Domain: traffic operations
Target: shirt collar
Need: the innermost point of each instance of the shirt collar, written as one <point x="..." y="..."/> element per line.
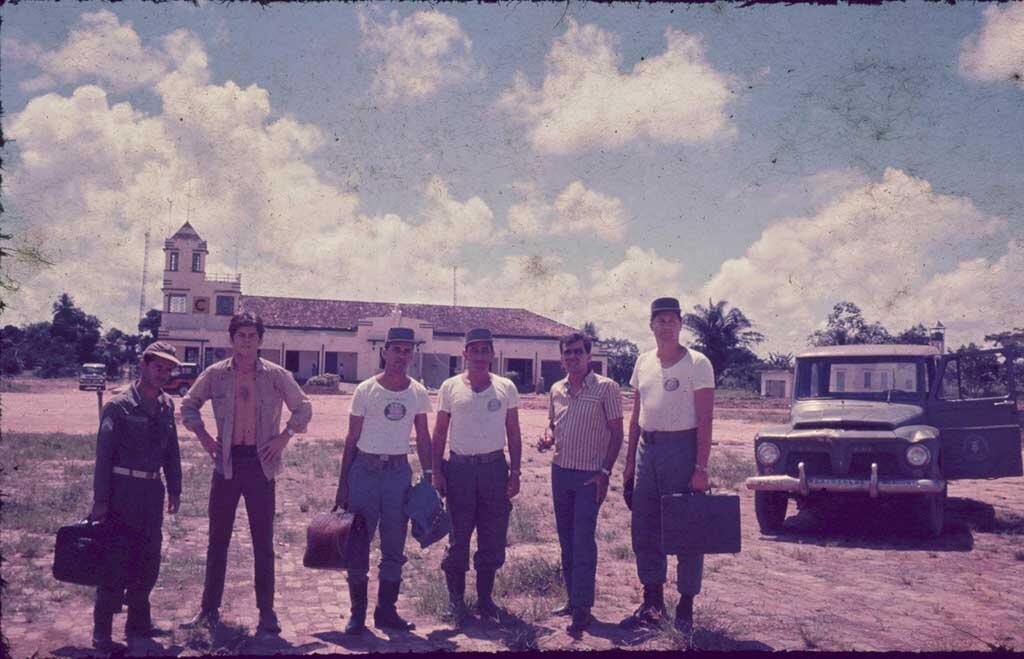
<point x="259" y="364"/>
<point x="137" y="396"/>
<point x="588" y="381"/>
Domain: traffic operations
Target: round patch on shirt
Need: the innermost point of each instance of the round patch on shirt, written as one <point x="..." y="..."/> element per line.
<point x="493" y="405"/>
<point x="671" y="384"/>
<point x="394" y="411"/>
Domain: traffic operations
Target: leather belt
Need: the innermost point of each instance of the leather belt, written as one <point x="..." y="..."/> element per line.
<point x="137" y="473"/>
<point x="479" y="458"/>
<point x="655" y="436"/>
<point x="385" y="461"/>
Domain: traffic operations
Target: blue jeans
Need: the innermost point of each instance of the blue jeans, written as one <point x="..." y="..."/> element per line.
<point x="378" y="495"/>
<point x="576" y="519"/>
<point x="662" y="467"/>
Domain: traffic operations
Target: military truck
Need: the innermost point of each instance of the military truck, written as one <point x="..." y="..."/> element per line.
<point x="890" y="421"/>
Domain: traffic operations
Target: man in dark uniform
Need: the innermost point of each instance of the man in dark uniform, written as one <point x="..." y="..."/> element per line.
<point x="137" y="438"/>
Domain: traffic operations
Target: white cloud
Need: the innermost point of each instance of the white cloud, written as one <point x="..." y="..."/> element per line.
<point x="585" y="102"/>
<point x="101" y="49"/>
<point x="419" y="55"/>
<point x="576" y="210"/>
<point x="616" y="298"/>
<point x="92" y="174"/>
<point x="891" y="247"/>
<point x="997" y="51"/>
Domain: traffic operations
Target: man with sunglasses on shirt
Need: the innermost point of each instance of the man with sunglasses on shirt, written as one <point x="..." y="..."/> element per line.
<point x="585" y="429"/>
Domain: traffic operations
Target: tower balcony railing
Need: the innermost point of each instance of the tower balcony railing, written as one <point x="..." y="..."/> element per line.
<point x="233" y="280"/>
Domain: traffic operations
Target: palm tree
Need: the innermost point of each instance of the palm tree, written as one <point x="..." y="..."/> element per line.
<point x="721" y="335"/>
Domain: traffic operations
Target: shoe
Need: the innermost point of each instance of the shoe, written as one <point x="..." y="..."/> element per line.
<point x="457" y="609"/>
<point x="358" y="597"/>
<point x="204" y="619"/>
<point x="268" y="623"/>
<point x="103" y="624"/>
<point x="485" y="606"/>
<point x="649" y="614"/>
<point x="684" y="614"/>
<point x="581" y="619"/>
<point x="564" y="610"/>
<point x="385" y="614"/>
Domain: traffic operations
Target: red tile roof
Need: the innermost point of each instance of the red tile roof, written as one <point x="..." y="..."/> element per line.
<point x="292" y="312"/>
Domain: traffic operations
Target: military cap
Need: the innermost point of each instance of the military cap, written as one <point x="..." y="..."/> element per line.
<point x="665" y="304"/>
<point x="163" y="350"/>
<point x="404" y="334"/>
<point x="477" y="335"/>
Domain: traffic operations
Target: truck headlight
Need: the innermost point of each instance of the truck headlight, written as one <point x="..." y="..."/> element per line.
<point x="918" y="455"/>
<point x="768" y="453"/>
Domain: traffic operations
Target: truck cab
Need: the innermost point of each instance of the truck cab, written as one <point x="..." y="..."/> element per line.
<point x="92" y="377"/>
<point x="890" y="420"/>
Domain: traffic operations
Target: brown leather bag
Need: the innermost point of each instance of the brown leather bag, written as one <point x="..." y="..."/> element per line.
<point x="334" y="540"/>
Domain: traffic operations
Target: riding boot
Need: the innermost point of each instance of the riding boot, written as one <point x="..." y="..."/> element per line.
<point x="385" y="615"/>
<point x="357" y="596"/>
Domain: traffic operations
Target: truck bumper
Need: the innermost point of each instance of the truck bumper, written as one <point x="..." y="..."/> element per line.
<point x="872" y="486"/>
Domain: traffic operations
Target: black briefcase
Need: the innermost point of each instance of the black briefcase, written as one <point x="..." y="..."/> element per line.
<point x="700" y="523"/>
<point x="94" y="554"/>
<point x="334" y="540"/>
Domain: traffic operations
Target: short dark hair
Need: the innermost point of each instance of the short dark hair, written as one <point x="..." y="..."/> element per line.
<point x="245" y="319"/>
<point x="573" y="338"/>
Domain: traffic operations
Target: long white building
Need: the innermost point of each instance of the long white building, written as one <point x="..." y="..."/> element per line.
<point x="310" y="336"/>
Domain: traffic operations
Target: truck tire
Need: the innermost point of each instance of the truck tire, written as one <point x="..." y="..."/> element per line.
<point x="931" y="513"/>
<point x="770" y="508"/>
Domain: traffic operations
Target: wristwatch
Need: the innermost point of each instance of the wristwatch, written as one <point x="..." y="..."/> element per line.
<point x="291" y="433"/>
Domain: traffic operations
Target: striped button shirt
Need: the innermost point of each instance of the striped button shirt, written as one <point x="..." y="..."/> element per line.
<point x="580" y="421"/>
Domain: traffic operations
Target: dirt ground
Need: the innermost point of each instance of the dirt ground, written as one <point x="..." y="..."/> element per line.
<point x="853" y="577"/>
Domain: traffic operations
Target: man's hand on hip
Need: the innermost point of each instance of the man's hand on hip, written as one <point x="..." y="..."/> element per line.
<point x="210" y="445"/>
<point x="273" y="450"/>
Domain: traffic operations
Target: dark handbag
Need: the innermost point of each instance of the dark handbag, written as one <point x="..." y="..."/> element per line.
<point x="334" y="540"/>
<point x="95" y="554"/>
<point x="695" y="523"/>
<point x="430" y="519"/>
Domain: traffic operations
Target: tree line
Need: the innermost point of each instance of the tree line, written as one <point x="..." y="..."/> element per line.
<point x="58" y="347"/>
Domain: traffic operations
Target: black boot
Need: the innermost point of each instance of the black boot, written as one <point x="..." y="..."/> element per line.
<point x="357" y="619"/>
<point x="385" y="615"/>
<point x="651" y="612"/>
<point x="485" y="606"/>
<point x="684" y="614"/>
<point x="102" y="630"/>
<point x="456" y="582"/>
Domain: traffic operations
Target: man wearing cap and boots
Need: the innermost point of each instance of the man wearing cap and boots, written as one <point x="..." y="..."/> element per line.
<point x="585" y="419"/>
<point x="479" y="410"/>
<point x="669" y="445"/>
<point x="376" y="476"/>
<point x="137" y="438"/>
<point x="247" y="393"/>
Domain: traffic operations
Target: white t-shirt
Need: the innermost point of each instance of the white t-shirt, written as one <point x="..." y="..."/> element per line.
<point x="387" y="415"/>
<point x="666" y="394"/>
<point x="477" y="418"/>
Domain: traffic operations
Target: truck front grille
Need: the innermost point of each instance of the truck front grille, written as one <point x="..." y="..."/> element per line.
<point x="815" y="464"/>
<point x="888" y="465"/>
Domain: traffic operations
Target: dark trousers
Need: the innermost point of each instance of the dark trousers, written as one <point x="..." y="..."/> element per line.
<point x="477" y="500"/>
<point x="250" y="482"/>
<point x="576" y="520"/>
<point x="378" y="494"/>
<point x="664" y="466"/>
<point x="137" y="506"/>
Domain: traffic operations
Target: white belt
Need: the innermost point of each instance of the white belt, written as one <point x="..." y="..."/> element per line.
<point x="135" y="473"/>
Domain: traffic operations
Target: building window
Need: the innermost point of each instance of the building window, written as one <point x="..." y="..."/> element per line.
<point x="841" y="381"/>
<point x="192" y="355"/>
<point x="176" y="304"/>
<point x="197" y="261"/>
<point x="172" y="261"/>
<point x="867" y="380"/>
<point x="225" y="305"/>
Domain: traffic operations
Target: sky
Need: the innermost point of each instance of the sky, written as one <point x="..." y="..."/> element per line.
<point x="574" y="159"/>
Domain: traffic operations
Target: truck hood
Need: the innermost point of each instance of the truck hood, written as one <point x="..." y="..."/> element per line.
<point x="855" y="414"/>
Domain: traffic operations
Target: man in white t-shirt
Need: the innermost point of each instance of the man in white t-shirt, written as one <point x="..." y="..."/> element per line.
<point x="479" y="410"/>
<point x="669" y="445"/>
<point x="376" y="476"/>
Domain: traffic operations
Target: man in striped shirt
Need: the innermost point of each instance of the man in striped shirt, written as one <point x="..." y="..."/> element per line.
<point x="585" y="423"/>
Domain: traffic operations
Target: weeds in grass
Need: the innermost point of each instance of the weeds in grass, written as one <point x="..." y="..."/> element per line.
<point x="622" y="552"/>
<point x="1019" y="554"/>
<point x="729" y="469"/>
<point x="429" y="593"/>
<point x="20" y="448"/>
<point x="812" y="635"/>
<point x="535" y="576"/>
<point x="288" y="535"/>
<point x="610" y="535"/>
<point x="29" y="546"/>
<point x="801" y="554"/>
<point x="523" y="525"/>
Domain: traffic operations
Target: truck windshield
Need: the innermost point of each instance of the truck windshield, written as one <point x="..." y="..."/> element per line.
<point x="888" y="379"/>
<point x="93" y="369"/>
